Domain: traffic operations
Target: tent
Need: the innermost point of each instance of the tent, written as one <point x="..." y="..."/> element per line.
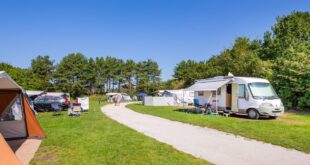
<point x="141" y="96"/>
<point x="181" y="96"/>
<point x="7" y="155"/>
<point x="17" y="118"/>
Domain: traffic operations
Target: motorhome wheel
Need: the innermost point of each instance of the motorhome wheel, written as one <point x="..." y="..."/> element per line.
<point x="253" y="114"/>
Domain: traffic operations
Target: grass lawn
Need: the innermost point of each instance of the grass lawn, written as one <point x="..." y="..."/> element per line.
<point x="290" y="130"/>
<point x="93" y="138"/>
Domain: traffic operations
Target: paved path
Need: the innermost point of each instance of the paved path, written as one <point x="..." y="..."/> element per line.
<point x="209" y="144"/>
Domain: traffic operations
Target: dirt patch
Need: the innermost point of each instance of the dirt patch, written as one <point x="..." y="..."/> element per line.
<point x="287" y="120"/>
<point x="45" y="155"/>
<point x="298" y="112"/>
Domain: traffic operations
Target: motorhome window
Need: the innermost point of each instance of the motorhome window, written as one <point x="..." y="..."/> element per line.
<point x="200" y="93"/>
<point x="219" y="91"/>
<point x="228" y="89"/>
<point x="241" y="91"/>
<point x="213" y="93"/>
<point x="261" y="90"/>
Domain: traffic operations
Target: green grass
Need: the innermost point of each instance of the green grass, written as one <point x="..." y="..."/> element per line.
<point x="93" y="138"/>
<point x="290" y="130"/>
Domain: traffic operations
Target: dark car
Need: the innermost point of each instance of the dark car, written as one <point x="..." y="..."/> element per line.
<point x="47" y="103"/>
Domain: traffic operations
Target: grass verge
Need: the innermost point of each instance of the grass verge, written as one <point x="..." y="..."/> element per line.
<point x="93" y="138"/>
<point x="290" y="130"/>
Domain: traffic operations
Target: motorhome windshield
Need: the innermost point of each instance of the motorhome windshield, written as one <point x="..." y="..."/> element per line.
<point x="261" y="90"/>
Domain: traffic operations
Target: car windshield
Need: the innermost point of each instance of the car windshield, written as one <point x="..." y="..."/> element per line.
<point x="261" y="90"/>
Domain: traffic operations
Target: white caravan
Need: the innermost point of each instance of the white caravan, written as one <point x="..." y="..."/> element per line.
<point x="244" y="95"/>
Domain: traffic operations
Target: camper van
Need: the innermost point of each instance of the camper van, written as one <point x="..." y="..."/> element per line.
<point x="240" y="95"/>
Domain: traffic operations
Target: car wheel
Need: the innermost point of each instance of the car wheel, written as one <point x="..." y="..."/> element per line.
<point x="253" y="114"/>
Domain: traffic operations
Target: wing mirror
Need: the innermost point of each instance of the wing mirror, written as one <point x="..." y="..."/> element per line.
<point x="247" y="96"/>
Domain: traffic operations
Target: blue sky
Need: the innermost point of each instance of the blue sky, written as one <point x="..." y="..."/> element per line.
<point x="167" y="31"/>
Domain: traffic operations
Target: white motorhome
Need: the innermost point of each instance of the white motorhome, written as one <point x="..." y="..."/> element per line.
<point x="244" y="95"/>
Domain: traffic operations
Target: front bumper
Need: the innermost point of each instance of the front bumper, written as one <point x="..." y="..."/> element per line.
<point x="271" y="111"/>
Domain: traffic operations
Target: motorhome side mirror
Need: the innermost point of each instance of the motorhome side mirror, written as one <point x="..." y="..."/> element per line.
<point x="247" y="96"/>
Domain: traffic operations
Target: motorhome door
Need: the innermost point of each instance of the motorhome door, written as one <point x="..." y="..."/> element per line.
<point x="228" y="97"/>
<point x="234" y="97"/>
<point x="242" y="101"/>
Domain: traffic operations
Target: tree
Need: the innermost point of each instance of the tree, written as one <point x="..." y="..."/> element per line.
<point x="43" y="67"/>
<point x="110" y="71"/>
<point x="91" y="73"/>
<point x="172" y="84"/>
<point x="101" y="77"/>
<point x="129" y="72"/>
<point x="23" y="77"/>
<point x="288" y="47"/>
<point x="241" y="60"/>
<point x="187" y="71"/>
<point x="148" y="76"/>
<point x="71" y="74"/>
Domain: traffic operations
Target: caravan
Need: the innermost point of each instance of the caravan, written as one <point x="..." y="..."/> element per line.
<point x="240" y="95"/>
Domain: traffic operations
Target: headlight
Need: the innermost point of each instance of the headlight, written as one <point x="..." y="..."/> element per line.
<point x="267" y="105"/>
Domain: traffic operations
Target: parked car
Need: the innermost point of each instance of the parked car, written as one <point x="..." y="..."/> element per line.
<point x="46" y="103"/>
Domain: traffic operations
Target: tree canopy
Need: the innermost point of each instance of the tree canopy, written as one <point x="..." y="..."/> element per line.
<point x="79" y="75"/>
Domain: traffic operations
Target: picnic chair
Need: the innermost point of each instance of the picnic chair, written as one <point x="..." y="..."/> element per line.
<point x="210" y="110"/>
<point x="56" y="108"/>
<point x="75" y="109"/>
<point x="197" y="106"/>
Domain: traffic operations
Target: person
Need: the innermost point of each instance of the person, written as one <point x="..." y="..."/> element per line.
<point x="67" y="101"/>
<point x="134" y="98"/>
<point x="118" y="99"/>
<point x="100" y="100"/>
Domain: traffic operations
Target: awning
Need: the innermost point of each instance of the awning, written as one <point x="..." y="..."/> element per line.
<point x="207" y="85"/>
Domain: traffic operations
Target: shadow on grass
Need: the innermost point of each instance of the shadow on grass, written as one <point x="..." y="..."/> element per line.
<point x="240" y="116"/>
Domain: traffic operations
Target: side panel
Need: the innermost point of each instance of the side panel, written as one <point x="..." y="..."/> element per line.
<point x="13" y="129"/>
<point x="222" y="97"/>
<point x="12" y="124"/>
<point x="33" y="126"/>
